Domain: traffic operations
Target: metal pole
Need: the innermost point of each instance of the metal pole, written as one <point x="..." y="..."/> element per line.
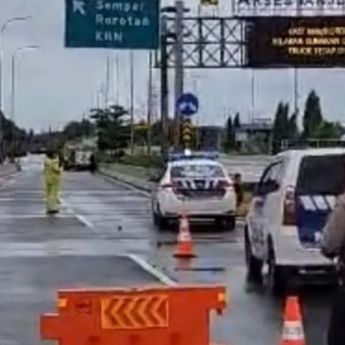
<point x="179" y="66"/>
<point x="1" y="62"/>
<point x="252" y="96"/>
<point x="107" y="81"/>
<point x="299" y="14"/>
<point x="149" y="107"/>
<point x="164" y="90"/>
<point x="132" y="99"/>
<point x="2" y="113"/>
<point x="117" y="81"/>
<point x="2" y="31"/>
<point x="13" y="96"/>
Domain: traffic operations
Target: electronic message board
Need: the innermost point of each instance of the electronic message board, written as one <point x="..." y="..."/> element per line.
<point x="296" y="42"/>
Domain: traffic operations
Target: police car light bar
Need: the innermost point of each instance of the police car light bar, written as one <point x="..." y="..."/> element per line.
<point x="192" y="155"/>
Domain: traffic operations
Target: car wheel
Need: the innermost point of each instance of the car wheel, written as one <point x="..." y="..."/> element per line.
<point x="158" y="220"/>
<point x="254" y="265"/>
<point x="230" y="223"/>
<point x="276" y="280"/>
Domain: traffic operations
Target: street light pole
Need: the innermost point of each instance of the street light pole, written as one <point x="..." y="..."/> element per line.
<point x="164" y="84"/>
<point x="2" y="31"/>
<point x="13" y="92"/>
<point x="149" y="106"/>
<point x="296" y="91"/>
<point x="179" y="67"/>
<point x="132" y="99"/>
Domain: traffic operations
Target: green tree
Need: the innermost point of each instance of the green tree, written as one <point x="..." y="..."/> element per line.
<point x="293" y="131"/>
<point x="141" y="129"/>
<point x="112" y="128"/>
<point x="75" y="129"/>
<point x="229" y="134"/>
<point x="237" y="121"/>
<point x="281" y="123"/>
<point x="329" y="130"/>
<point x="283" y="126"/>
<point x="312" y="118"/>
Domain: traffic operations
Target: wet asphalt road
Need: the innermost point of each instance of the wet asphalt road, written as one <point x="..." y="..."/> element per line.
<point x="101" y="221"/>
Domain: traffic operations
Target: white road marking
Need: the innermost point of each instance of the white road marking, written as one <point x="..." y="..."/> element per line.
<point x="82" y="219"/>
<point x="152" y="270"/>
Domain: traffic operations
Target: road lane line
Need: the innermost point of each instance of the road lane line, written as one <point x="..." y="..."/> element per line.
<point x="152" y="270"/>
<point x="82" y="219"/>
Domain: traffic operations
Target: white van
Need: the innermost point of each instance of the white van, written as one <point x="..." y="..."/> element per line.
<point x="291" y="203"/>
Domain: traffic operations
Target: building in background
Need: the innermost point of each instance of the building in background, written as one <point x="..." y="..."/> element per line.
<point x="210" y="138"/>
<point x="255" y="137"/>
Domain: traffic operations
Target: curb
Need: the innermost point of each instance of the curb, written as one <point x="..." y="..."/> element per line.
<point x="122" y="179"/>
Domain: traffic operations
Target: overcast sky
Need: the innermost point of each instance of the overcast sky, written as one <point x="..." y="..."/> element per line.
<point x="56" y="85"/>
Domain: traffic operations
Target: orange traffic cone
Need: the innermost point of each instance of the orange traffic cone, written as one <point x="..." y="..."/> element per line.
<point x="185" y="248"/>
<point x="293" y="333"/>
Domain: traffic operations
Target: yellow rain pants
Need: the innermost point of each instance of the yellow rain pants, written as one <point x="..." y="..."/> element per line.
<point x="52" y="178"/>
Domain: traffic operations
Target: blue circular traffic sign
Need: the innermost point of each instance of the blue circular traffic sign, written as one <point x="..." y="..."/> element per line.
<point x="188" y="104"/>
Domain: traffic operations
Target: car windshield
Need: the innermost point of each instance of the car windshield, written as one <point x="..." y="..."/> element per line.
<point x="197" y="171"/>
<point x="322" y="175"/>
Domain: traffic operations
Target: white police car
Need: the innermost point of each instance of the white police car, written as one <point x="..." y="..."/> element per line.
<point x="291" y="203"/>
<point x="197" y="185"/>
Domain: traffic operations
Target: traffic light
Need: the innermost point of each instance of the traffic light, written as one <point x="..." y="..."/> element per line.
<point x="209" y="2"/>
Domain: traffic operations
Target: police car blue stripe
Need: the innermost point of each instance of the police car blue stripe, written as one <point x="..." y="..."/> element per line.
<point x="320" y="203"/>
<point x="307" y="203"/>
<point x="331" y="201"/>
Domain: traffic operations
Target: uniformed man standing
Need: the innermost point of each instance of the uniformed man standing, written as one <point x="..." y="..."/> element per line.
<point x="52" y="177"/>
<point x="333" y="247"/>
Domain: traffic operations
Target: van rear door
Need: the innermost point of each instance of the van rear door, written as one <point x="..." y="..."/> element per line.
<point x="321" y="179"/>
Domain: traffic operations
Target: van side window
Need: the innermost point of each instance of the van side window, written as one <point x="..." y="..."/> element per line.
<point x="270" y="180"/>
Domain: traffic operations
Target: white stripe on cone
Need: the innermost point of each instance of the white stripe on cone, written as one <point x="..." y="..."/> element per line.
<point x="293" y="331"/>
<point x="184" y="235"/>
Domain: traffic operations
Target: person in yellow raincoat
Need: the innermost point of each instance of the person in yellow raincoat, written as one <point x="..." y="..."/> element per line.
<point x="52" y="179"/>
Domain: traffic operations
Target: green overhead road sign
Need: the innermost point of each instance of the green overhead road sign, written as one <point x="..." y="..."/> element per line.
<point x="127" y="24"/>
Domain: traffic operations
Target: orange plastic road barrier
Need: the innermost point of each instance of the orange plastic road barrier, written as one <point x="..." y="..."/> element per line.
<point x="185" y="248"/>
<point x="293" y="333"/>
<point x="153" y="316"/>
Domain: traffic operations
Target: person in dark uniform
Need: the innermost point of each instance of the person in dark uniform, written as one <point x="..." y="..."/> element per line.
<point x="238" y="189"/>
<point x="93" y="163"/>
<point x="333" y="247"/>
